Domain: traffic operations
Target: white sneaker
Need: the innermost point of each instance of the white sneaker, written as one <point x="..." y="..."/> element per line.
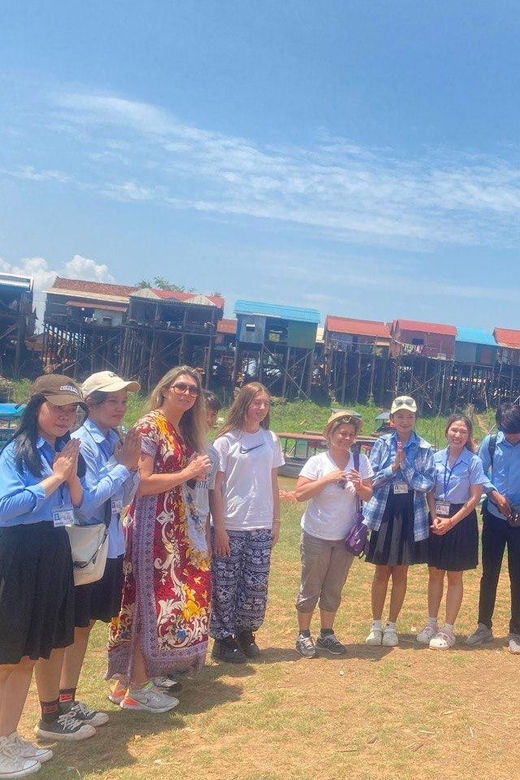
<point x="148" y="699"/>
<point x="12" y="764"/>
<point x="390" y="638"/>
<point x="29" y="750"/>
<point x="375" y="637"/>
<point x="429" y="631"/>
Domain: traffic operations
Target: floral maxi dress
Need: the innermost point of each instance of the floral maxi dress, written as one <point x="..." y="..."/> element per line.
<point x="166" y="589"/>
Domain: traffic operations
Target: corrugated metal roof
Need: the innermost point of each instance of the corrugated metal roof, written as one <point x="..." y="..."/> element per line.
<point x="427" y="327"/>
<point x="182" y="297"/>
<point x="357" y="327"/>
<point x="506" y="337"/>
<point x="16" y="280"/>
<point x="227" y="326"/>
<point x="93" y="305"/>
<point x="475" y="336"/>
<point x="280" y="312"/>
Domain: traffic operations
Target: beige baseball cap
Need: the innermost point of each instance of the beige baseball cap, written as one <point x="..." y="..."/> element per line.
<point x="107" y="382"/>
<point x="403" y="402"/>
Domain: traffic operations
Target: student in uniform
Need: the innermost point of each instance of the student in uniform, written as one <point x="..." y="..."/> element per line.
<point x="245" y="508"/>
<point x="453" y="541"/>
<point x="331" y="484"/>
<point x="500" y="455"/>
<point x="397" y="514"/>
<point x="113" y="479"/>
<point x="41" y="486"/>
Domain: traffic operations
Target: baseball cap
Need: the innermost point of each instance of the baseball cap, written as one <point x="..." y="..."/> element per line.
<point x="403" y="402"/>
<point x="58" y="389"/>
<point x="108" y="382"/>
<point x="348" y="417"/>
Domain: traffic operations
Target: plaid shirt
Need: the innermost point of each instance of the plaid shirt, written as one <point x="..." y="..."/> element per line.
<point x="420" y="477"/>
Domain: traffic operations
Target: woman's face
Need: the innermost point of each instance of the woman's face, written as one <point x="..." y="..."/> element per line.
<point x="110" y="413"/>
<point x="258" y="409"/>
<point x="457" y="434"/>
<point x="54" y="421"/>
<point x="181" y="394"/>
<point x="404" y="421"/>
<point x="342" y="438"/>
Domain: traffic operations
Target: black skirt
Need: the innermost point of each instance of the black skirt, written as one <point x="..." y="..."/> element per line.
<point x="100" y="600"/>
<point x="394" y="544"/>
<point x="36" y="591"/>
<point x="457" y="550"/>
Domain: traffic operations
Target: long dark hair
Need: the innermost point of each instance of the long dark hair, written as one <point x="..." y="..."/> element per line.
<point x="469" y="425"/>
<point x="26" y="453"/>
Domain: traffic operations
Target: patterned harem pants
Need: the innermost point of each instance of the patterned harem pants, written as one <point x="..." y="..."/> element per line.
<point x="239" y="583"/>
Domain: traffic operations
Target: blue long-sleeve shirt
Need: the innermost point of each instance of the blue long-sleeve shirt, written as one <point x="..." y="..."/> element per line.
<point x="22" y="498"/>
<point x="107" y="479"/>
<point x="504" y="476"/>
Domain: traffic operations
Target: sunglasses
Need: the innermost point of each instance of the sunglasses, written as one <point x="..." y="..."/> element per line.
<point x="181" y="387"/>
<point x="404" y="402"/>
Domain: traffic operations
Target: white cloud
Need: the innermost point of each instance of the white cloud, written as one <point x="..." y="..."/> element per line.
<point x="37" y="267"/>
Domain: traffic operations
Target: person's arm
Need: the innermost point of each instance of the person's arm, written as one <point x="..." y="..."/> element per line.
<point x="430" y="500"/>
<point x="101" y="484"/>
<point x="378" y="455"/>
<point x="307" y="487"/>
<point x="423" y="480"/>
<point x="276" y="506"/>
<point x="151" y="484"/>
<point x="216" y="505"/>
<point x="444" y="524"/>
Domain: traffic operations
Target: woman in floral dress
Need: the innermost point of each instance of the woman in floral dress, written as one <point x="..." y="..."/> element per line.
<point x="162" y="626"/>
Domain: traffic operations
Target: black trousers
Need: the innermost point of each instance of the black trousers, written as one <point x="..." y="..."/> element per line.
<point x="496" y="534"/>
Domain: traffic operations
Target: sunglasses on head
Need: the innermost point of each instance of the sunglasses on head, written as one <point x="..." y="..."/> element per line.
<point x="181" y="387"/>
<point x="403" y="402"/>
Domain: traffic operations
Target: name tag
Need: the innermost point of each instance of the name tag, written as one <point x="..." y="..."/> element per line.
<point x="400" y="487"/>
<point x="62" y="517"/>
<point x="117" y="506"/>
<point x="442" y="508"/>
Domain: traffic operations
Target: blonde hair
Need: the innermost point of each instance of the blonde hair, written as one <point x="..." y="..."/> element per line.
<point x="236" y="418"/>
<point x="193" y="422"/>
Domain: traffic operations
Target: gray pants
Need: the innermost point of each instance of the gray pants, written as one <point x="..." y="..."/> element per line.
<point x="325" y="566"/>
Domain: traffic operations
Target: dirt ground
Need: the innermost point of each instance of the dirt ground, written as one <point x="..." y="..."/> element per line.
<point x="390" y="713"/>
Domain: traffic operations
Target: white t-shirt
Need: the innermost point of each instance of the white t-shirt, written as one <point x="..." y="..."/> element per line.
<point x="247" y="460"/>
<point x="332" y="512"/>
<point x="200" y="491"/>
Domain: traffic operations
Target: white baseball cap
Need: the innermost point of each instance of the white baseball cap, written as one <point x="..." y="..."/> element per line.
<point x="107" y="382"/>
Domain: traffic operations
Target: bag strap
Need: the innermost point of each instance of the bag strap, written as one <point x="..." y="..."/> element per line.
<point x="356" y="466"/>
<point x="107" y="517"/>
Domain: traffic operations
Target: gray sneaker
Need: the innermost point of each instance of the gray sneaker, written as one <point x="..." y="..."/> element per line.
<point x="514" y="644"/>
<point x="306" y="647"/>
<point x="480" y="636"/>
<point x="330" y="643"/>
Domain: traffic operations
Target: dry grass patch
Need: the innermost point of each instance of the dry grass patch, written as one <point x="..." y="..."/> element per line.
<point x="390" y="713"/>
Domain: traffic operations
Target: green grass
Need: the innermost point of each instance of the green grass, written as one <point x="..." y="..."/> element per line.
<point x="299" y="416"/>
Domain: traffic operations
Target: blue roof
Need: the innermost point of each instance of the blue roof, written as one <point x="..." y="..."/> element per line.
<point x="476" y="336"/>
<point x="281" y="312"/>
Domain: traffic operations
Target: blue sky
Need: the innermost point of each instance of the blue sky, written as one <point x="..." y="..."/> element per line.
<point x="361" y="158"/>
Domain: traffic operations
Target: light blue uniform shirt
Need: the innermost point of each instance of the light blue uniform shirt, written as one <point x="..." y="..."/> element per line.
<point x="22" y="498"/>
<point x="107" y="479"/>
<point x="505" y="474"/>
<point x="454" y="484"/>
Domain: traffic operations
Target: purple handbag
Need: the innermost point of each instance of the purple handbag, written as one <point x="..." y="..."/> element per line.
<point x="356" y="540"/>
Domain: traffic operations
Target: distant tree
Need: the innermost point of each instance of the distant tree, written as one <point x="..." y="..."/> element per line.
<point x="216" y="295"/>
<point x="160" y="283"/>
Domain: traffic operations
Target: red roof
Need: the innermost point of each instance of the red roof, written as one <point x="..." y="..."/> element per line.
<point x="426" y="327"/>
<point x="227" y="326"/>
<point x="357" y="327"/>
<point x="507" y="337"/>
<point x="101" y="288"/>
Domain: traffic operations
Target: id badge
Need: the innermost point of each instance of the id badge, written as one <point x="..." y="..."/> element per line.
<point x="400" y="487"/>
<point x="117" y="506"/>
<point x="63" y="516"/>
<point x="442" y="508"/>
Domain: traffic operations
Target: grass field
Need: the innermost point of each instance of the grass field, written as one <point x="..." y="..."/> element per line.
<point x="391" y="713"/>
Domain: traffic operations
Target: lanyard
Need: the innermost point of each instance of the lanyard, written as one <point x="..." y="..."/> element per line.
<point x="447" y="475"/>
